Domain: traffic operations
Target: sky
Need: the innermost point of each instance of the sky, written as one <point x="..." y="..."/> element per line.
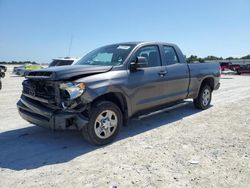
<point x="40" y="30"/>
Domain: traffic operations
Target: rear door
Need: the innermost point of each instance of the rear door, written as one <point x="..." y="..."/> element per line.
<point x="177" y="77"/>
<point x="147" y="84"/>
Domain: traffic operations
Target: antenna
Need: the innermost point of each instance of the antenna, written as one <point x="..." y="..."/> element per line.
<point x="70" y="44"/>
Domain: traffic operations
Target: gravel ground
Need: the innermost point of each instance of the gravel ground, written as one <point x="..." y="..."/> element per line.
<point x="184" y="147"/>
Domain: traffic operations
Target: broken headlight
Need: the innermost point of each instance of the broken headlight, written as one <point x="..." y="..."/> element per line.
<point x="72" y="90"/>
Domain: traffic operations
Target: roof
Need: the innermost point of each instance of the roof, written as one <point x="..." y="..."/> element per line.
<point x="142" y="42"/>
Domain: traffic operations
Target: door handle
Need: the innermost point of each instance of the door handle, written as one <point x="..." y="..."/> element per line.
<point x="162" y="73"/>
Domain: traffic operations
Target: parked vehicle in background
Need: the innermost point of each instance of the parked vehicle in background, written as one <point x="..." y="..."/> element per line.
<point x="111" y="84"/>
<point x="224" y="66"/>
<point x="26" y="68"/>
<point x="62" y="61"/>
<point x="16" y="70"/>
<point x="229" y="65"/>
<point x="228" y="71"/>
<point x="3" y="69"/>
<point x="234" y="67"/>
<point x="244" y="69"/>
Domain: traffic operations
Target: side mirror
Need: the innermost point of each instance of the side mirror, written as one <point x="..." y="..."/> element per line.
<point x="140" y="62"/>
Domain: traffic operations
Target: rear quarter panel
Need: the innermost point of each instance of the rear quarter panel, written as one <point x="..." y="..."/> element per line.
<point x="199" y="72"/>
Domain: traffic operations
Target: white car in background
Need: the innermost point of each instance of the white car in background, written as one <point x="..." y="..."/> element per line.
<point x="62" y="61"/>
<point x="228" y="71"/>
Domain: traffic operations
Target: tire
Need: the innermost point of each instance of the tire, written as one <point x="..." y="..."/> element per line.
<point x="100" y="130"/>
<point x="204" y="98"/>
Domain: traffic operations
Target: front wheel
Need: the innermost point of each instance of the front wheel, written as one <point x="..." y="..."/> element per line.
<point x="204" y="98"/>
<point x="104" y="124"/>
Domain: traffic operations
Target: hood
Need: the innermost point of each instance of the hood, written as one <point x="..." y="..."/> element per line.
<point x="67" y="72"/>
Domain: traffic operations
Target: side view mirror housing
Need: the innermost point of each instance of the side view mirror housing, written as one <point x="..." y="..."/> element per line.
<point x="140" y="62"/>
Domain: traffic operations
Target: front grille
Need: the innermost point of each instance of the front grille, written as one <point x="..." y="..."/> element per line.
<point x="39" y="74"/>
<point x="40" y="89"/>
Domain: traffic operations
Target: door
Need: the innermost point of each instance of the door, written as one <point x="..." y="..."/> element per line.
<point x="146" y="84"/>
<point x="177" y="77"/>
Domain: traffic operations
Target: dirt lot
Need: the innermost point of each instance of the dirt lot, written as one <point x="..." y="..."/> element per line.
<point x="180" y="148"/>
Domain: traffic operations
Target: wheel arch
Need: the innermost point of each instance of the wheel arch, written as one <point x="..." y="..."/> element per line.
<point x="116" y="97"/>
<point x="208" y="81"/>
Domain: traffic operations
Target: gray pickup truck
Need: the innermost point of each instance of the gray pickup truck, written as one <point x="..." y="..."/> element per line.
<point x="113" y="83"/>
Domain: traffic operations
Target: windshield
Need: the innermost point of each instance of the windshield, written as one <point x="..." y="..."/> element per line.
<point x="108" y="55"/>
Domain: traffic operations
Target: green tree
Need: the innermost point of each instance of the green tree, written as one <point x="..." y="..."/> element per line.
<point x="229" y="58"/>
<point x="212" y="58"/>
<point x="246" y="57"/>
<point x="192" y="58"/>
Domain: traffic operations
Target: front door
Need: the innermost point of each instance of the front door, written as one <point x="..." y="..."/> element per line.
<point x="147" y="84"/>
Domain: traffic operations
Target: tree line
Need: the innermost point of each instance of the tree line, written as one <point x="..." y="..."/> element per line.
<point x="190" y="59"/>
<point x="194" y="58"/>
<point x="17" y="62"/>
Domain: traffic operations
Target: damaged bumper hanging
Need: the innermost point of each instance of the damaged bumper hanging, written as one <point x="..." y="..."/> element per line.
<point x="43" y="116"/>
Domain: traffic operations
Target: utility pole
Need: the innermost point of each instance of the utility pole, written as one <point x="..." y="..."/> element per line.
<point x="70" y="44"/>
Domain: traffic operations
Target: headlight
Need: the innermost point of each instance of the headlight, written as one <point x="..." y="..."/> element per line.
<point x="73" y="90"/>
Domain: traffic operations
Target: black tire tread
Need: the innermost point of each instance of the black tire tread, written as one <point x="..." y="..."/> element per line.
<point x="198" y="100"/>
<point x="87" y="130"/>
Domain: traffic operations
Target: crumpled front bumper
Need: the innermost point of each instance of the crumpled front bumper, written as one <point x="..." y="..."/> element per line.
<point x="43" y="116"/>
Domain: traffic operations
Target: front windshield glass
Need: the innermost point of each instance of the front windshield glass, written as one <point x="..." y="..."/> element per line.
<point x="108" y="55"/>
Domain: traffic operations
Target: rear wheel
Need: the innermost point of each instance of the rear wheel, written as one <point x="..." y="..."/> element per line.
<point x="204" y="98"/>
<point x="104" y="124"/>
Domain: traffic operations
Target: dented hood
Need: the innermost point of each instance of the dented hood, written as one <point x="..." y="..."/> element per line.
<point x="67" y="72"/>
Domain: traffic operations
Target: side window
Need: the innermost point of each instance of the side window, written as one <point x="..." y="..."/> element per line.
<point x="151" y="53"/>
<point x="170" y="55"/>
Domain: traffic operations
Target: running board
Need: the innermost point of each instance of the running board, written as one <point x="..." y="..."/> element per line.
<point x="162" y="110"/>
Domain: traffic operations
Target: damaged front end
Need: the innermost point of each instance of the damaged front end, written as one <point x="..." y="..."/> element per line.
<point x="53" y="104"/>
